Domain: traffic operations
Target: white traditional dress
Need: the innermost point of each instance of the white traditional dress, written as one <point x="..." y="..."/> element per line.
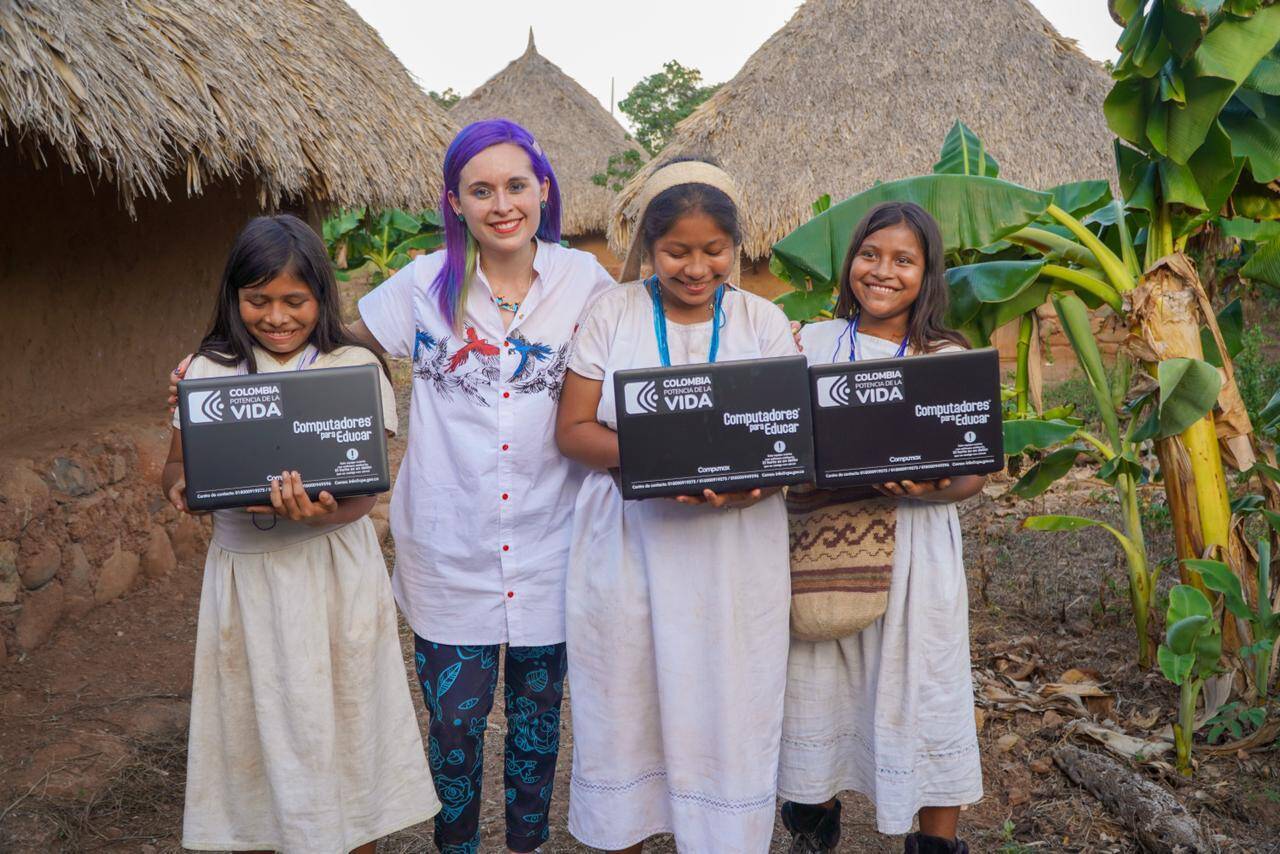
<point x="677" y="621"/>
<point x="888" y="712"/>
<point x="303" y="736"/>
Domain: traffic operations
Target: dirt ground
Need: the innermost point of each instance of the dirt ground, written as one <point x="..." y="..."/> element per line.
<point x="93" y="724"/>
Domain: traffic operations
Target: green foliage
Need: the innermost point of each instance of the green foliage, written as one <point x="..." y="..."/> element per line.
<point x="621" y="168"/>
<point x="1196" y="97"/>
<point x="1076" y="393"/>
<point x="1233" y="718"/>
<point x="657" y="103"/>
<point x="379" y="242"/>
<point x="1263" y="623"/>
<point x="964" y="154"/>
<point x="1025" y="433"/>
<point x="447" y="98"/>
<point x="1188" y="391"/>
<point x="1257" y="372"/>
<point x="972" y="212"/>
<point x="1190" y="654"/>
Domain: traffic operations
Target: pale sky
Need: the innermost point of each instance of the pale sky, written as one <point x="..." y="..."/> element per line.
<point x="462" y="44"/>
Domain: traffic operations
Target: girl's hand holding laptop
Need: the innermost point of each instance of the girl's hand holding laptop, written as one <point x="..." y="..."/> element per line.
<point x="290" y="499"/>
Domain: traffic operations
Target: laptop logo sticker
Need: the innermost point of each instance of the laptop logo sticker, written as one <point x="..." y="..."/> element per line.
<point x="641" y="397"/>
<point x="833" y="391"/>
<point x="205" y="407"/>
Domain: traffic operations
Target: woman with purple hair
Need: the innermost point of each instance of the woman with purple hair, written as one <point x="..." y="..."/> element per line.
<point x="482" y="506"/>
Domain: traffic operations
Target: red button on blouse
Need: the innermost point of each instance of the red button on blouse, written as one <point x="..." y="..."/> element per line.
<point x="506" y="548"/>
<point x="504" y="496"/>
<point x="511" y="594"/>
<point x="506" y="394"/>
<point x="504" y="447"/>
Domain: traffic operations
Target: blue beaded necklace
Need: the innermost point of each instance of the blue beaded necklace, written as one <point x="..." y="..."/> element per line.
<point x="660" y="321"/>
<point x="851" y="329"/>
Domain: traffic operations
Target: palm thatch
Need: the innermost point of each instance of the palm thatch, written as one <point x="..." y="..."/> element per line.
<point x="849" y="92"/>
<point x="577" y="134"/>
<point x="300" y="96"/>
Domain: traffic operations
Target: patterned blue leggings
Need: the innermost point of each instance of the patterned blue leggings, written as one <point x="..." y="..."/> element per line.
<point x="458" y="684"/>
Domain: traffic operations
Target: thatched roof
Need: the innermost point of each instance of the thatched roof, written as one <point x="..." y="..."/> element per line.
<point x="299" y="96"/>
<point x="854" y="91"/>
<point x="577" y="133"/>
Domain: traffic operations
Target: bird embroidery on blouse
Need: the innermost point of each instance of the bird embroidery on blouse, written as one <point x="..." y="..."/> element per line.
<point x="422" y="339"/>
<point x="526" y="348"/>
<point x="474" y="344"/>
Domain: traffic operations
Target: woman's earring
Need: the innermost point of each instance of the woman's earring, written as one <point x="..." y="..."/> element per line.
<point x="544" y="204"/>
<point x="461" y="218"/>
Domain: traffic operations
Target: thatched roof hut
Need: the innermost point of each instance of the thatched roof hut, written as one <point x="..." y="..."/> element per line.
<point x="854" y="91"/>
<point x="299" y="96"/>
<point x="577" y="133"/>
<point x="137" y="138"/>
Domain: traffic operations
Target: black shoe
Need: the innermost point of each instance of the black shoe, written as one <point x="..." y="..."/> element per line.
<point x="815" y="829"/>
<point x="919" y="843"/>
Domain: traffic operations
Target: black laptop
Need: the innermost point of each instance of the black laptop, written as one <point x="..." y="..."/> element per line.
<point x="239" y="433"/>
<point x="913" y="418"/>
<point x="727" y="426"/>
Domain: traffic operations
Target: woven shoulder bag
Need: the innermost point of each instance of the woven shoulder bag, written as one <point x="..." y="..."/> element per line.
<point x="841" y="560"/>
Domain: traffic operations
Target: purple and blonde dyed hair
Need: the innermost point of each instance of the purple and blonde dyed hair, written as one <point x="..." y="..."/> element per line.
<point x="461" y="249"/>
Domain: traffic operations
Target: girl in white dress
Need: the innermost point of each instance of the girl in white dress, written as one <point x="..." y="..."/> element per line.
<point x="888" y="712"/>
<point x="676" y="610"/>
<point x="303" y="735"/>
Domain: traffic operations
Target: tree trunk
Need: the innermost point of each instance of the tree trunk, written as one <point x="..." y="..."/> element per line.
<point x="1167" y="310"/>
<point x="1155" y="817"/>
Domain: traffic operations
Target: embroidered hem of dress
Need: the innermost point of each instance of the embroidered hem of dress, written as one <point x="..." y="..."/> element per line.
<point x="925" y="756"/>
<point x="700" y="798"/>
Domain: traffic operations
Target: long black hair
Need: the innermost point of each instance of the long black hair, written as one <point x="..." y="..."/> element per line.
<point x="675" y="202"/>
<point x="271" y="246"/>
<point x="926" y="324"/>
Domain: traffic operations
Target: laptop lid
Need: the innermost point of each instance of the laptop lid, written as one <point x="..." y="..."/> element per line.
<point x="727" y="426"/>
<point x="912" y="418"/>
<point x="240" y="432"/>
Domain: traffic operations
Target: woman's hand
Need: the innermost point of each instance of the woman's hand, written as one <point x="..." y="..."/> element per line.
<point x="289" y="499"/>
<point x="922" y="489"/>
<point x="795" y="333"/>
<point x="727" y="500"/>
<point x="177" y="495"/>
<point x="174" y="376"/>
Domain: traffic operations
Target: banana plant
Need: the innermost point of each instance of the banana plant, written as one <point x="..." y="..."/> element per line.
<point x="1185" y="390"/>
<point x="1261" y="623"/>
<point x="379" y="242"/>
<point x="1196" y="104"/>
<point x="1189" y="655"/>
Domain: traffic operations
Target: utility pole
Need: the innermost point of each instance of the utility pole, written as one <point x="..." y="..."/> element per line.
<point x="611" y="79"/>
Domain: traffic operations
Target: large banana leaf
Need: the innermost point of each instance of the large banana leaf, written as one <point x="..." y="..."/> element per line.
<point x="1255" y="134"/>
<point x="964" y="154"/>
<point x="1224" y="60"/>
<point x="1081" y="198"/>
<point x="972" y="212"/>
<point x="1181" y="62"/>
<point x="974" y="285"/>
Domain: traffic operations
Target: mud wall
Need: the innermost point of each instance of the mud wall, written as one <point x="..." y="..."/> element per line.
<point x="96" y="306"/>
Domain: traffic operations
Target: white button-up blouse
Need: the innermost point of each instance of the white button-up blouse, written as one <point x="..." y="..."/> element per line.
<point x="483" y="503"/>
